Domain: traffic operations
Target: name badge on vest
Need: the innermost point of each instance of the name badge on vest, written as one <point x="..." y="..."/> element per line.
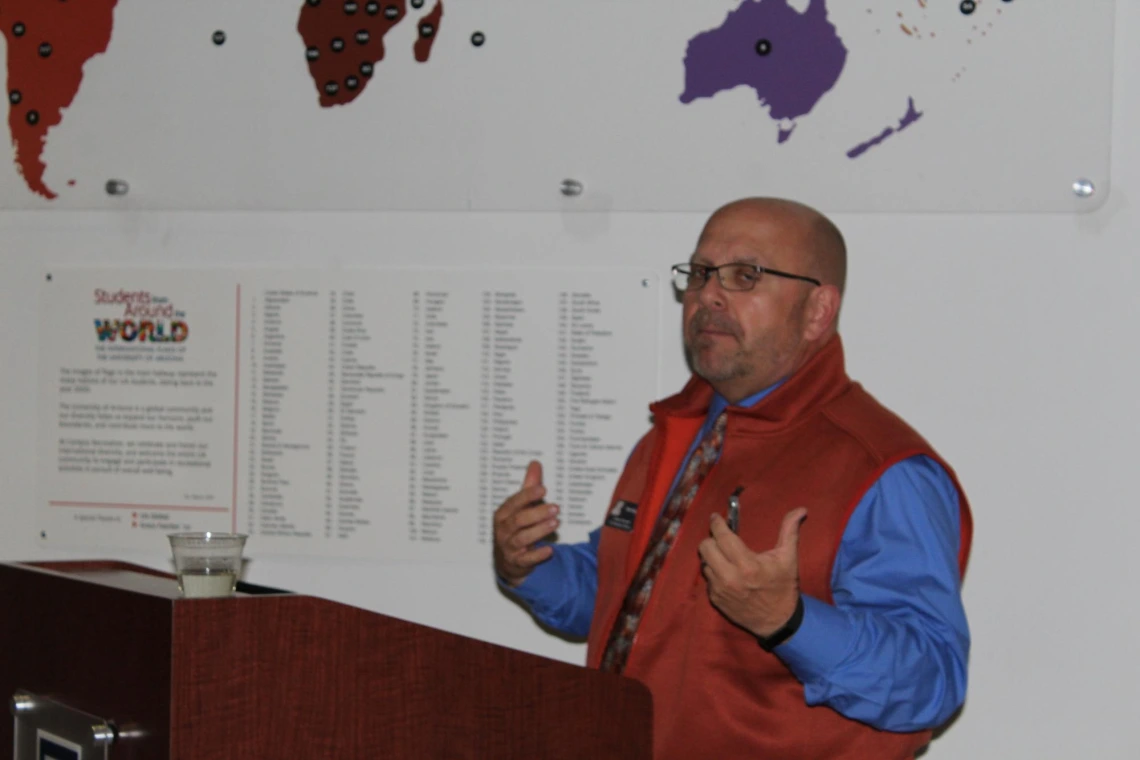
<point x="621" y="516"/>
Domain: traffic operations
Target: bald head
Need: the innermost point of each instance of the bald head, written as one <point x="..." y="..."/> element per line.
<point x="820" y="249"/>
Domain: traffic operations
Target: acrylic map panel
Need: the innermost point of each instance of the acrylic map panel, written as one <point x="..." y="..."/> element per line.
<point x="406" y="104"/>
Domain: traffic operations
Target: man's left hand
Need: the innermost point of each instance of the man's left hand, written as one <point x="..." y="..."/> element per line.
<point x="758" y="592"/>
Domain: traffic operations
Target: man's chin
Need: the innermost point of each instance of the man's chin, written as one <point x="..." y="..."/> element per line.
<point x="711" y="360"/>
<point x="713" y="371"/>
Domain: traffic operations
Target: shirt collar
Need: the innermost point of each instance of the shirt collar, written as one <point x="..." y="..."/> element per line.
<point x="720" y="403"/>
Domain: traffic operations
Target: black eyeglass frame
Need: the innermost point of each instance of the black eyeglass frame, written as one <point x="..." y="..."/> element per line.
<point x="708" y="271"/>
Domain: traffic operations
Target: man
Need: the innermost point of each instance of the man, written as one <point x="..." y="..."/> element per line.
<point x="828" y="623"/>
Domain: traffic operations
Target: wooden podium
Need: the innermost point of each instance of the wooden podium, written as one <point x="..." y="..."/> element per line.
<point x="279" y="675"/>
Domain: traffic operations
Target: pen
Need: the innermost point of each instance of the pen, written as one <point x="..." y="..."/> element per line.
<point x="734" y="509"/>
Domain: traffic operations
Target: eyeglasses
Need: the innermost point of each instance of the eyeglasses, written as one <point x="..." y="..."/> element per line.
<point x="731" y="276"/>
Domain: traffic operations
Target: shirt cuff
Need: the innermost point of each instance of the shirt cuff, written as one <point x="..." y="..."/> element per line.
<point x="821" y="643"/>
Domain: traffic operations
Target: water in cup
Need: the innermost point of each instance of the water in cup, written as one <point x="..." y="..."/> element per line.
<point x="198" y="584"/>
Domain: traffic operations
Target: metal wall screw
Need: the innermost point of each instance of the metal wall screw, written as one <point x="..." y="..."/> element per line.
<point x="572" y="188"/>
<point x="102" y="734"/>
<point x="117" y="187"/>
<point x="645" y="283"/>
<point x="22" y="702"/>
<point x="1084" y="188"/>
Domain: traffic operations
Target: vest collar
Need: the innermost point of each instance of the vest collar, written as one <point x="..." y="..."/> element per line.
<point x="820" y="380"/>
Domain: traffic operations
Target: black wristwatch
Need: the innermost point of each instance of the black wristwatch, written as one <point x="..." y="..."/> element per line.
<point x="768" y="643"/>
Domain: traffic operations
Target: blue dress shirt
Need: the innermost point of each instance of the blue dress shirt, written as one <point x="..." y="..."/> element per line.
<point x="892" y="650"/>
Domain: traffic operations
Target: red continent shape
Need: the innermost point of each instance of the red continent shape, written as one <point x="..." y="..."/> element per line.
<point x="426" y="39"/>
<point x="341" y="72"/>
<point x="48" y="44"/>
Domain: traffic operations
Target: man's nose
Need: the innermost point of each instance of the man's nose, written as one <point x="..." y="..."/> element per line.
<point x="712" y="295"/>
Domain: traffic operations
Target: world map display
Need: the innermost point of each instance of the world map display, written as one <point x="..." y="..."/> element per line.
<point x="48" y="45"/>
<point x="791" y="56"/>
<point x="790" y="59"/>
<point x="344" y="42"/>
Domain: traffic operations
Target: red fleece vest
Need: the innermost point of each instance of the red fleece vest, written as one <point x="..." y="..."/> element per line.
<point x="818" y="441"/>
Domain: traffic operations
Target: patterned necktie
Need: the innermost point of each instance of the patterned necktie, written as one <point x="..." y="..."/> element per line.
<point x="625" y="628"/>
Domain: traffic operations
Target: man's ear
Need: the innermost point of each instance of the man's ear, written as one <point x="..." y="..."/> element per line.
<point x="822" y="311"/>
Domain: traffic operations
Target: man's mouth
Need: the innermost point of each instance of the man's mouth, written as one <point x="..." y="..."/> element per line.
<point x="713" y="328"/>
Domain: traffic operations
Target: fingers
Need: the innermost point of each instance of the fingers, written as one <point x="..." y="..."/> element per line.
<point x="725" y="550"/>
<point x="736" y="550"/>
<point x="524" y="508"/>
<point x="515" y="554"/>
<point x="731" y="545"/>
<point x="532" y="492"/>
<point x="522" y="511"/>
<point x="533" y="475"/>
<point x="517" y="528"/>
<point x="526" y="498"/>
<point x="713" y="557"/>
<point x="532" y="529"/>
<point x="719" y="526"/>
<point x="789" y="540"/>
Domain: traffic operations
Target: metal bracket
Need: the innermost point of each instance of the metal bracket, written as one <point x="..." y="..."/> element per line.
<point x="40" y="720"/>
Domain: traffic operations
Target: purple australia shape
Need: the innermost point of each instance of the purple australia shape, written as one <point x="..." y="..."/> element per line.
<point x="910" y="117"/>
<point x="802" y="58"/>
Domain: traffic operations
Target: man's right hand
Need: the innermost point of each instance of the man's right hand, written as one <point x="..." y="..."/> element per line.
<point x="521" y="520"/>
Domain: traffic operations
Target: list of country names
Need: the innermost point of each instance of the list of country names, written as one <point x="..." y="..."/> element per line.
<point x="392" y="417"/>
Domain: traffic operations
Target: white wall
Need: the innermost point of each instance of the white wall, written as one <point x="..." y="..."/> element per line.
<point x="1009" y="341"/>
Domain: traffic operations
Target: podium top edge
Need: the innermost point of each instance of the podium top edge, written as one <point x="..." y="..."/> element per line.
<point x="125" y="576"/>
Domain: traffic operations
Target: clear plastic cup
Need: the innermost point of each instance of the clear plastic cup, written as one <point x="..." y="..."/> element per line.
<point x="207" y="564"/>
